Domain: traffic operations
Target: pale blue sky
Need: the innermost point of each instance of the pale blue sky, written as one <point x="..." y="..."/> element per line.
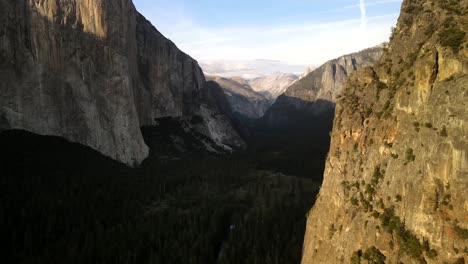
<point x="254" y="37"/>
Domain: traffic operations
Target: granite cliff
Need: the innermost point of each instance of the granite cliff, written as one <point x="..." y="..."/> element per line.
<point x="242" y="98"/>
<point x="273" y="85"/>
<point x="396" y="176"/>
<point x="94" y="72"/>
<point x="316" y="93"/>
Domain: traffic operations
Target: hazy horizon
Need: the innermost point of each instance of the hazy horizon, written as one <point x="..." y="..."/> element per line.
<point x="251" y="39"/>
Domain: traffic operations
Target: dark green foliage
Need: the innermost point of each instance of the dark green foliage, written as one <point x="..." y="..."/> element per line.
<point x="387" y="110"/>
<point x="428" y="125"/>
<point x="411" y="59"/>
<point x="452" y="36"/>
<point x="410" y="157"/>
<point x="375" y="214"/>
<point x="390" y="221"/>
<point x="393" y="33"/>
<point x="398" y="198"/>
<point x="64" y="203"/>
<point x="432" y="253"/>
<point x="366" y="205"/>
<point x="410" y="244"/>
<point x="407" y="241"/>
<point x="381" y="204"/>
<point x="374" y="256"/>
<point x="346" y="185"/>
<point x="370" y="190"/>
<point x="452" y="6"/>
<point x="444" y="132"/>
<point x="430" y="29"/>
<point x="416" y="126"/>
<point x="461" y="232"/>
<point x="338" y="153"/>
<point x="377" y="177"/>
<point x="356" y="185"/>
<point x="356" y="257"/>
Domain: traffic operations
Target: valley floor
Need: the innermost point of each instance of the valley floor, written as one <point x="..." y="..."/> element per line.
<point x="65" y="203"/>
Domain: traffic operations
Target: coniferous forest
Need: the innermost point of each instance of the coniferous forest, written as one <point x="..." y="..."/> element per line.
<point x="65" y="203"/>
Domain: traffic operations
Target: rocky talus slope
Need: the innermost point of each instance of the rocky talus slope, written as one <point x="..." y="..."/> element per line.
<point x="396" y="178"/>
<point x="242" y="98"/>
<point x="93" y="72"/>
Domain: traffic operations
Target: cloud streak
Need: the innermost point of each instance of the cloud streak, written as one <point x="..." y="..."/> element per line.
<point x="362" y="5"/>
<point x="294" y="44"/>
<point x="249" y="69"/>
<point x="369" y="4"/>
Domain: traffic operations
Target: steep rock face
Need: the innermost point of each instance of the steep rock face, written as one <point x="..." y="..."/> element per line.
<point x="92" y="72"/>
<point x="327" y="81"/>
<point x="273" y="85"/>
<point x="316" y="93"/>
<point x="396" y="177"/>
<point x="307" y="71"/>
<point x="242" y="98"/>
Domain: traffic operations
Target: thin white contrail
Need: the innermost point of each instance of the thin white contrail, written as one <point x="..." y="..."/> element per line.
<point x="363" y="13"/>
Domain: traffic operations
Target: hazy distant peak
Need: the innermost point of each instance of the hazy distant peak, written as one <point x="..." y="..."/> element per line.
<point x="275" y="84"/>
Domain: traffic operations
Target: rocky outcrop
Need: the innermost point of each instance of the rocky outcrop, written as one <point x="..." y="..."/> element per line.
<point x="93" y="72"/>
<point x="242" y="98"/>
<point x="395" y="182"/>
<point x="316" y="93"/>
<point x="327" y="81"/>
<point x="273" y="85"/>
<point x="307" y="71"/>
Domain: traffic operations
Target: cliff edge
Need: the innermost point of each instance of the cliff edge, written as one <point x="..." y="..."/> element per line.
<point x="396" y="176"/>
<point x="93" y="72"/>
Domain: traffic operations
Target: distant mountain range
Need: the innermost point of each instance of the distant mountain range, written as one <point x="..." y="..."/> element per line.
<point x="274" y="96"/>
<point x="275" y="84"/>
<point x="242" y="98"/>
<point x="252" y="97"/>
<point x="317" y="92"/>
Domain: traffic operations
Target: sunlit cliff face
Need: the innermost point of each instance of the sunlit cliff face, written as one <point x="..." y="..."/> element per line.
<point x="81" y="14"/>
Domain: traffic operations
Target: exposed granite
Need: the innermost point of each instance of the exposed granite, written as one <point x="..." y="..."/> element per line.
<point x="316" y="93"/>
<point x="242" y="98"/>
<point x="91" y="71"/>
<point x="397" y="173"/>
<point x="273" y="85"/>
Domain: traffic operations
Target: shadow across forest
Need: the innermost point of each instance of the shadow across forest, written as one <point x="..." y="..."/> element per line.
<point x="62" y="202"/>
<point x="65" y="203"/>
<point x="293" y="138"/>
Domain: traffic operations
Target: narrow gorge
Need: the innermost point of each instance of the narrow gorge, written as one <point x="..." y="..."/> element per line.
<point x="117" y="147"/>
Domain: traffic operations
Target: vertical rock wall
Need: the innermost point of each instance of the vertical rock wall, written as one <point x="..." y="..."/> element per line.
<point x="395" y="183"/>
<point x="91" y="71"/>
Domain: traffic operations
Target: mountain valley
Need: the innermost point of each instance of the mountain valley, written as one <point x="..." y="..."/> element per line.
<point x="116" y="146"/>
